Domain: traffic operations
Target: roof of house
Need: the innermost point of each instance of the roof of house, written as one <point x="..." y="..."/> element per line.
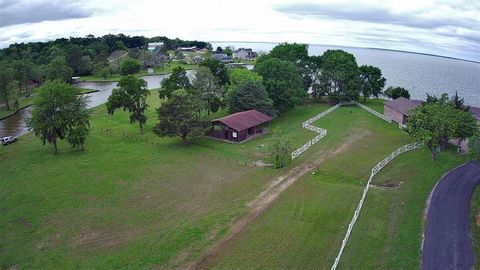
<point x="476" y="112"/>
<point x="403" y="105"/>
<point x="243" y="120"/>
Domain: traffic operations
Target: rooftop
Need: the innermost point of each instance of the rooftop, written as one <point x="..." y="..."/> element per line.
<point x="403" y="105"/>
<point x="243" y="120"/>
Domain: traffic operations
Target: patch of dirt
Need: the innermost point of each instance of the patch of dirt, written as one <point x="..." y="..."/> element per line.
<point x="22" y="221"/>
<point x="103" y="238"/>
<point x="389" y="184"/>
<point x="271" y="193"/>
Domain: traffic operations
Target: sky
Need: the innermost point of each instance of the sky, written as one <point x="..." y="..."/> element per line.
<point x="443" y="27"/>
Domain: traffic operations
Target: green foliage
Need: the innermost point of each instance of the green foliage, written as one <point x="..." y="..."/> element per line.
<point x="129" y="66"/>
<point x="279" y="149"/>
<point x="240" y="75"/>
<point x="466" y="124"/>
<point x="178" y="80"/>
<point x="474" y="146"/>
<point x="103" y="72"/>
<point x="340" y="75"/>
<point x="396" y="92"/>
<point x="7" y="75"/>
<point x="372" y="81"/>
<point x="179" y="116"/>
<point x="292" y="52"/>
<point x="205" y="86"/>
<point x="218" y="69"/>
<point x="58" y="69"/>
<point x="250" y="95"/>
<point x="130" y="95"/>
<point x="58" y="112"/>
<point x="282" y="82"/>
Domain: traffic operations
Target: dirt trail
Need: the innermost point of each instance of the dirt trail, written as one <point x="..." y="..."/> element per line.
<point x="271" y="193"/>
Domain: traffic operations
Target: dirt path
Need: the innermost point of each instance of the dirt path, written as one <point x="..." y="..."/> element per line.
<point x="271" y="193"/>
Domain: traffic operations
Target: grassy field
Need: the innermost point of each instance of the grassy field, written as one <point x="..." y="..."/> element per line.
<point x="475" y="210"/>
<point x="128" y="201"/>
<point x="157" y="71"/>
<point x="305" y="227"/>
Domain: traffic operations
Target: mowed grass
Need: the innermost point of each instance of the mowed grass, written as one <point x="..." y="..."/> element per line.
<point x="305" y="227"/>
<point x="388" y="233"/>
<point x="128" y="201"/>
<point x="475" y="227"/>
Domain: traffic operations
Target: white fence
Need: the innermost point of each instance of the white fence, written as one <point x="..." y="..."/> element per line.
<point x="321" y="132"/>
<point x="375" y="170"/>
<point x="372" y="111"/>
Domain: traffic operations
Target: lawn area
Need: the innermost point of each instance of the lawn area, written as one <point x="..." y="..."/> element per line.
<point x="475" y="210"/>
<point x="128" y="201"/>
<point x="168" y="68"/>
<point x="388" y="233"/>
<point x="305" y="226"/>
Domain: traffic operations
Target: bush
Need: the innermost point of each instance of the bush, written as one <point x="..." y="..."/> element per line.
<point x="130" y="66"/>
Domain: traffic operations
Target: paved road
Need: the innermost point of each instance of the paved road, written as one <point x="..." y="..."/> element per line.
<point x="447" y="242"/>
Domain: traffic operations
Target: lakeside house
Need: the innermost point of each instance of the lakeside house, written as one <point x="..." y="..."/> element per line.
<point x="397" y="109"/>
<point x="153" y="45"/>
<point x="187" y="49"/>
<point x="222" y="57"/>
<point x="244" y="54"/>
<point x="239" y="126"/>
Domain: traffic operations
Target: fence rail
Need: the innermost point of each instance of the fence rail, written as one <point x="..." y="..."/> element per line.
<point x="321" y="132"/>
<point x="375" y="170"/>
<point x="372" y="111"/>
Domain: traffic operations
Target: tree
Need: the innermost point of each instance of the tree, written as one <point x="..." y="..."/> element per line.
<point x="340" y="75"/>
<point x="6" y="77"/>
<point x="104" y="72"/>
<point x="474" y="146"/>
<point x="279" y="149"/>
<point x="240" y="75"/>
<point x="228" y="51"/>
<point x="206" y="87"/>
<point x="177" y="80"/>
<point x="130" y="66"/>
<point x="396" y="92"/>
<point x="58" y="69"/>
<point x="250" y="95"/>
<point x="432" y="124"/>
<point x="465" y="126"/>
<point x="458" y="103"/>
<point x="218" y="69"/>
<point x="282" y="82"/>
<point x="59" y="112"/>
<point x="372" y="81"/>
<point x="179" y="116"/>
<point x="86" y="66"/>
<point x="131" y="95"/>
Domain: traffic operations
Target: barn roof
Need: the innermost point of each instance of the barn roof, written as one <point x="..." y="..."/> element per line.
<point x="403" y="105"/>
<point x="243" y="120"/>
<point x="476" y="112"/>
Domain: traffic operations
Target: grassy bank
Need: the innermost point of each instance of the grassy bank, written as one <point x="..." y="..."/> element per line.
<point x="168" y="68"/>
<point x="128" y="201"/>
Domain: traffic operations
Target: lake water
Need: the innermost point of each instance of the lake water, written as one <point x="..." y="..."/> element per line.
<point x="419" y="74"/>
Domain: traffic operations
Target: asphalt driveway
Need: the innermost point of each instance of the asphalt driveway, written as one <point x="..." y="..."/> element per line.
<point x="447" y="243"/>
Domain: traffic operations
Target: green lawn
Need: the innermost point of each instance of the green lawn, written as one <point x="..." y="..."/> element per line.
<point x="305" y="227"/>
<point x="157" y="71"/>
<point x="128" y="201"/>
<point x="475" y="210"/>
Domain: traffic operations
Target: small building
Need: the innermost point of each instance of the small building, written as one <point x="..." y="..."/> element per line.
<point x="222" y="57"/>
<point x="187" y="49"/>
<point x="239" y="126"/>
<point x="397" y="109"/>
<point x="244" y="54"/>
<point x="153" y="45"/>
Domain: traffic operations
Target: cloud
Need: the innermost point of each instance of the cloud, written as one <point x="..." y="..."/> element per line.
<point x="13" y="12"/>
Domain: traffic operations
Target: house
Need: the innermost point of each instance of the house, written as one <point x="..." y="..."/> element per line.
<point x="244" y="54"/>
<point x="239" y="126"/>
<point x="222" y="57"/>
<point x="153" y="45"/>
<point x="187" y="49"/>
<point x="397" y="109"/>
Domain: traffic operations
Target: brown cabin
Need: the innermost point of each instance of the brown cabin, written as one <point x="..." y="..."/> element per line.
<point x="397" y="109"/>
<point x="239" y="126"/>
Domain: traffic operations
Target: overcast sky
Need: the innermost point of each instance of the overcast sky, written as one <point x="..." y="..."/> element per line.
<point x="444" y="27"/>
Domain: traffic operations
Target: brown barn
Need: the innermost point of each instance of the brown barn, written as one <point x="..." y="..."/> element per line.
<point x="239" y="126"/>
<point x="397" y="109"/>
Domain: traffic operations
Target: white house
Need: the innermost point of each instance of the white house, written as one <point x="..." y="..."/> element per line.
<point x="153" y="45"/>
<point x="244" y="54"/>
